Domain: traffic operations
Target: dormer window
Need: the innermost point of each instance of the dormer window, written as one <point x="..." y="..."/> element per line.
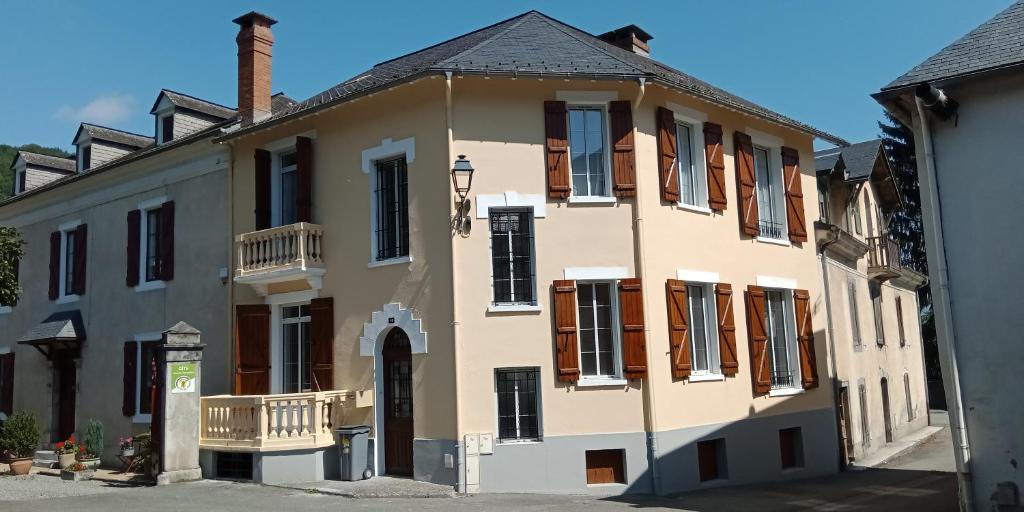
<point x="84" y="157"/>
<point x="166" y="128"/>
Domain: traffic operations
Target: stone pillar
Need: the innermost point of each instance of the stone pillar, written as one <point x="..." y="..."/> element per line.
<point x="181" y="356"/>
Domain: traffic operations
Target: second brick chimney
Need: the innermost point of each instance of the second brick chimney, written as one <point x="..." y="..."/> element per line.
<point x="254" y="64"/>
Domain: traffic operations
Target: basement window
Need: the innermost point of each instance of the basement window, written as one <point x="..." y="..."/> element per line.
<point x="711" y="461"/>
<point x="606" y="467"/>
<point x="234" y="466"/>
<point x="791" y="448"/>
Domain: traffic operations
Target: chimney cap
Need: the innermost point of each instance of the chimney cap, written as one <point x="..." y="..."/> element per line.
<point x="630" y="29"/>
<point x="253" y="17"/>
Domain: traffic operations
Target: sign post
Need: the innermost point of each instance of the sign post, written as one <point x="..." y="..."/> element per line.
<point x="181" y="361"/>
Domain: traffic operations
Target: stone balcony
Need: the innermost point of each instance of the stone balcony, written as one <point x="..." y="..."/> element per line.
<point x="278" y="255"/>
<point x="259" y="423"/>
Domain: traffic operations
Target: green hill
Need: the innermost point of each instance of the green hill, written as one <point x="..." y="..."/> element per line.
<point x="7" y="154"/>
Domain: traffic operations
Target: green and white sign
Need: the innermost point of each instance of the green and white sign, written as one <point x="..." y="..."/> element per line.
<point x="183" y="377"/>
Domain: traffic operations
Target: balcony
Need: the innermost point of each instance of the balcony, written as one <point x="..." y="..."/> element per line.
<point x="277" y="255"/>
<point x="883" y="258"/>
<point x="260" y="423"/>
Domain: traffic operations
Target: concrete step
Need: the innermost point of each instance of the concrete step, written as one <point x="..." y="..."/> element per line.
<point x="46" y="459"/>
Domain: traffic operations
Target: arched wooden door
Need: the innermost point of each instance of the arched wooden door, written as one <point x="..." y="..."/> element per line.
<point x="398" y="422"/>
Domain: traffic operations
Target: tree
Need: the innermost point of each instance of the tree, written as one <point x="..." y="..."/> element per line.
<point x="10" y="257"/>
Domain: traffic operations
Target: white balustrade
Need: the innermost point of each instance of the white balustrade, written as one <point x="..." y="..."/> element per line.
<point x="295" y="246"/>
<point x="270" y="422"/>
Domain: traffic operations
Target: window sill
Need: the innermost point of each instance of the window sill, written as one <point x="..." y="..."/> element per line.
<point x="694" y="208"/>
<point x="606" y="200"/>
<point x="67" y="299"/>
<point x="151" y="285"/>
<point x="598" y="382"/>
<point x="777" y="241"/>
<point x="391" y="261"/>
<point x="515" y="442"/>
<point x="142" y="418"/>
<point x="786" y="392"/>
<point x="706" y="377"/>
<point x="514" y="308"/>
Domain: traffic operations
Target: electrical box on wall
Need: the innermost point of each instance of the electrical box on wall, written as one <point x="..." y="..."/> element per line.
<point x="486" y="444"/>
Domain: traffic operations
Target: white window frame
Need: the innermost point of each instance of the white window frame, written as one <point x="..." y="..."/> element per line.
<point x="276" y="302"/>
<point x="616" y="377"/>
<point x="694" y="120"/>
<point x="19" y="180"/>
<point x="278" y="148"/>
<point x="501" y="307"/>
<point x="144" y="208"/>
<point x="596" y="101"/>
<point x="714" y="363"/>
<point x="497" y="410"/>
<point x="387" y="150"/>
<point x="139" y="339"/>
<point x="62" y="296"/>
<point x="160" y="126"/>
<point x="785" y="286"/>
<point x="772" y="145"/>
<point x="80" y="154"/>
<point x="280" y="325"/>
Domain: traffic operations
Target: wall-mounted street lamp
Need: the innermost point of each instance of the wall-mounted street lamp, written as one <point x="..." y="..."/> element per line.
<point x="462" y="181"/>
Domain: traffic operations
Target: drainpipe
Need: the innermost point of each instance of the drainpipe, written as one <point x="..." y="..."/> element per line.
<point x="650" y="414"/>
<point x="943" y="319"/>
<point x="460" y="449"/>
<point x="833" y="237"/>
<point x="231" y="262"/>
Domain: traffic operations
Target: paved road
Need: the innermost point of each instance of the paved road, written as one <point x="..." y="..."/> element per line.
<point x="935" y="454"/>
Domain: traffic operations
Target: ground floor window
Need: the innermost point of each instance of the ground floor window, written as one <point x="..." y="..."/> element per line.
<point x="865" y="431"/>
<point x="910" y="404"/>
<point x="147" y="363"/>
<point x="518" y="404"/>
<point x="295" y="322"/>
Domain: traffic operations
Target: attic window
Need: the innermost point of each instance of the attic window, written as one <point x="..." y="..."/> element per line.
<point x="167" y="128"/>
<point x="84" y="157"/>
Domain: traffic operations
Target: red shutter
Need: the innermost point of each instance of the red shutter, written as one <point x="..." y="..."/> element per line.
<point x="805" y="338"/>
<point x="304" y="179"/>
<point x="566" y="348"/>
<point x="678" y="325"/>
<point x="668" y="166"/>
<point x="623" y="154"/>
<point x="167" y="241"/>
<point x="634" y="345"/>
<point x="556" y="128"/>
<point x="131" y="277"/>
<point x="81" y="236"/>
<point x="7" y="383"/>
<point x="747" y="183"/>
<point x="252" y="349"/>
<point x="321" y="340"/>
<point x="714" y="155"/>
<point x="794" y="195"/>
<point x="262" y="189"/>
<point x="54" y="265"/>
<point x="726" y="329"/>
<point x="757" y="331"/>
<point x="128" y="380"/>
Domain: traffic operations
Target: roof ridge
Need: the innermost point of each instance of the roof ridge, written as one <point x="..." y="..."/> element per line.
<point x="446" y="41"/>
<point x="561" y="26"/>
<point x="518" y="22"/>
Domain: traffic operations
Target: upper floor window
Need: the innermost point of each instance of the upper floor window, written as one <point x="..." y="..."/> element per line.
<point x="84" y="157"/>
<point x="518" y="404"/>
<point x="153" y="239"/>
<point x="288" y="180"/>
<point x="392" y="209"/>
<point x="20" y="186"/>
<point x="781" y="339"/>
<point x="771" y="218"/>
<point x="854" y="213"/>
<point x="589" y="163"/>
<point x="875" y="290"/>
<point x="823" y="201"/>
<point x="899" y="320"/>
<point x="68" y="263"/>
<point x="702" y="329"/>
<point x="512" y="257"/>
<point x="869" y="213"/>
<point x="692" y="182"/>
<point x="851" y="297"/>
<point x="599" y="350"/>
<point x="166" y="128"/>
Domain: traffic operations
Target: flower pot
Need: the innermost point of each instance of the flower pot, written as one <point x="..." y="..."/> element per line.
<point x="21" y="465"/>
<point x="91" y="463"/>
<point x="65" y="459"/>
<point x="128" y="452"/>
<point x="76" y="476"/>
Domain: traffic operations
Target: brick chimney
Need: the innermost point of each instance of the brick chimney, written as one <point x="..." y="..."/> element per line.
<point x="254" y="62"/>
<point x="630" y="37"/>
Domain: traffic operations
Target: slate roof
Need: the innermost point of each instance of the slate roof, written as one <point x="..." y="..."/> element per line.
<point x="192" y="103"/>
<point x="531" y="44"/>
<point x="52" y="162"/>
<point x="113" y="135"/>
<point x="858" y="159"/>
<point x="61" y="326"/>
<point x="997" y="43"/>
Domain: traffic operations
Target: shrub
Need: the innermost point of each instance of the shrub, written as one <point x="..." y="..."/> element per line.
<point x="93" y="439"/>
<point x="20" y="435"/>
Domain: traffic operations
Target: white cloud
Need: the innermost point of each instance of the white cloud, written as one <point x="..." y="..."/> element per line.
<point x="107" y="109"/>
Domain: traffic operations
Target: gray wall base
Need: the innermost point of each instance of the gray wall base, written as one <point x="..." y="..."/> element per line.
<point x="429" y="461"/>
<point x="291" y="466"/>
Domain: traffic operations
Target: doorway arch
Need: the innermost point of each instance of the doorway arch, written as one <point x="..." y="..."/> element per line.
<point x="397" y="407"/>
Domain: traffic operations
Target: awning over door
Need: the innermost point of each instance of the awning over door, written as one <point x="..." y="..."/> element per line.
<point x="61" y="333"/>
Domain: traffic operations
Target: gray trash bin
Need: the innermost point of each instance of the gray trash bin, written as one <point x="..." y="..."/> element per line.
<point x="352" y="446"/>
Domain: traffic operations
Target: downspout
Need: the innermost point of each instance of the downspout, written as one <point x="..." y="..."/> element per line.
<point x="460" y="455"/>
<point x="943" y="319"/>
<point x="833" y="237"/>
<point x="231" y="263"/>
<point x="650" y="414"/>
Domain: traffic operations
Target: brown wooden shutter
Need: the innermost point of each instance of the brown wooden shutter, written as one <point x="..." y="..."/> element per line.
<point x="805" y="338"/>
<point x="757" y="331"/>
<point x="131" y="277"/>
<point x="167" y="241"/>
<point x="678" y="327"/>
<point x="726" y="329"/>
<point x="128" y="379"/>
<point x="623" y="154"/>
<point x="634" y="344"/>
<point x="714" y="155"/>
<point x="54" y="265"/>
<point x="556" y="129"/>
<point x="668" y="165"/>
<point x="252" y="349"/>
<point x="321" y="340"/>
<point x="746" y="183"/>
<point x="7" y="383"/>
<point x="81" y="237"/>
<point x="262" y="189"/>
<point x="304" y="179"/>
<point x="794" y="195"/>
<point x="566" y="348"/>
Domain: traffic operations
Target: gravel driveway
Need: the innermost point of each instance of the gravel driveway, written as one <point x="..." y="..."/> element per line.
<point x="33" y="487"/>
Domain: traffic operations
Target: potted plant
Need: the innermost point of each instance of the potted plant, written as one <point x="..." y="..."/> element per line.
<point x="127" y="446"/>
<point x="91" y="449"/>
<point x="67" y="452"/>
<point x="76" y="472"/>
<point x="19" y="437"/>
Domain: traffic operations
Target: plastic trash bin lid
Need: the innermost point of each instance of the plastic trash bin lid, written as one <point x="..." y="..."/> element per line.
<point x="352" y="429"/>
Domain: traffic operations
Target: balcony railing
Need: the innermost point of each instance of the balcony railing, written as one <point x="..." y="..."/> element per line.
<point x="771" y="229"/>
<point x="785" y="379"/>
<point x="295" y="246"/>
<point x="883" y="258"/>
<point x="270" y="422"/>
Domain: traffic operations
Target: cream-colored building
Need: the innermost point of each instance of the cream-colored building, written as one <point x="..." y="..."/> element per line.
<point x="881" y="388"/>
<point x="627" y="300"/>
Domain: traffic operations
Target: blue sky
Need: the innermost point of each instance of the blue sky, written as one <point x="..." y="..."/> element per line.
<point x="105" y="62"/>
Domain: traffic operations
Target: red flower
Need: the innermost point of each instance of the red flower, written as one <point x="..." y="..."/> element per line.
<point x="60" y="445"/>
<point x="81" y="449"/>
<point x="71" y="439"/>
